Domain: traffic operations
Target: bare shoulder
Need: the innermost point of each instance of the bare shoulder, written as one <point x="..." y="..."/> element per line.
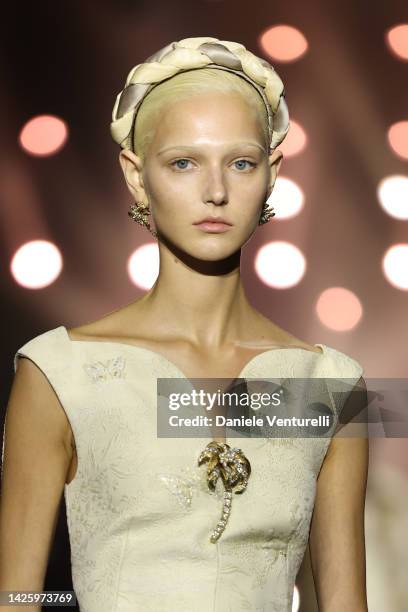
<point x="111" y="327"/>
<point x="87" y="331"/>
<point x="280" y="337"/>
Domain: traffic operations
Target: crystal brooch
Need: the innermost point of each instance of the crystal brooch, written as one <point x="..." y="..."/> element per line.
<point x="234" y="469"/>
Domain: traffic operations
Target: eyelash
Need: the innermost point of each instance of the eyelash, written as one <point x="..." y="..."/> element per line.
<point x="253" y="164"/>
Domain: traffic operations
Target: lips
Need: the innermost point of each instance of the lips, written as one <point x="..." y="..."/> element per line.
<point x="213" y="226"/>
<point x="213" y="220"/>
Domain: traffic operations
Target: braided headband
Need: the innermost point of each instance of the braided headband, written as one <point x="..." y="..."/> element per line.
<point x="195" y="53"/>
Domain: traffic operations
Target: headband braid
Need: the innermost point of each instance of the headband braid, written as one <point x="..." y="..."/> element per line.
<point x="195" y="53"/>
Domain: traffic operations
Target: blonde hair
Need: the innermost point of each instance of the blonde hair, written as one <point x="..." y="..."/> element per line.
<point x="183" y="85"/>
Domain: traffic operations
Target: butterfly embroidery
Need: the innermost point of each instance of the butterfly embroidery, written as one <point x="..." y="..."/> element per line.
<point x="102" y="371"/>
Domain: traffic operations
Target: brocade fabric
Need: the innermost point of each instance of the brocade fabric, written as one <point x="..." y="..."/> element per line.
<point x="139" y="510"/>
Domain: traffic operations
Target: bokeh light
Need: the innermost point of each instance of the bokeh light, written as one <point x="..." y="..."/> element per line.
<point x="392" y="194"/>
<point x="143" y="265"/>
<point x="286" y="198"/>
<point x="295" y="600"/>
<point x="396" y="39"/>
<point x="395" y="266"/>
<point x="339" y="309"/>
<point x="43" y="135"/>
<point x="283" y="43"/>
<point x="280" y="264"/>
<point x="295" y="140"/>
<point x="398" y="138"/>
<point x="36" y="264"/>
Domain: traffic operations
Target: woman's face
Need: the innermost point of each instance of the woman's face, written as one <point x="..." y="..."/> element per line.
<point x="207" y="159"/>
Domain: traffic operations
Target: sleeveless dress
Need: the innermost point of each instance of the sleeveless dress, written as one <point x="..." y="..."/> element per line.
<point x="139" y="510"/>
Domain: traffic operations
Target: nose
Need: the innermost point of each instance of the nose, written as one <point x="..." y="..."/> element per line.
<point x="216" y="191"/>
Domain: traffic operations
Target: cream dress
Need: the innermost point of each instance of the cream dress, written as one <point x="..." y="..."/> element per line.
<point x="139" y="511"/>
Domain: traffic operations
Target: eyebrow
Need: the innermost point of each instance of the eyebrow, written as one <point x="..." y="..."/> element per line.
<point x="236" y="145"/>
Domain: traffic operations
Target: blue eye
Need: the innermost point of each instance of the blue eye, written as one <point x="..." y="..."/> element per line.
<point x="246" y="161"/>
<point x="176" y="161"/>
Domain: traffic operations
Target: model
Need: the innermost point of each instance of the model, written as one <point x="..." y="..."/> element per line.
<point x="180" y="523"/>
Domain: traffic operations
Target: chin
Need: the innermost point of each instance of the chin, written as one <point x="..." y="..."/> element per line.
<point x="218" y="252"/>
<point x="207" y="246"/>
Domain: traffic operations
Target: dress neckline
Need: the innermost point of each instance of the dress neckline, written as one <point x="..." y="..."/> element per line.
<point x="158" y="355"/>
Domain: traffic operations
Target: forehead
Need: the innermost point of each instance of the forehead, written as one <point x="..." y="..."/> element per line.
<point x="209" y="116"/>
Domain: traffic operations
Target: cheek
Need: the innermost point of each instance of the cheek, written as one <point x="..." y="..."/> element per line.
<point x="166" y="189"/>
<point x="250" y="207"/>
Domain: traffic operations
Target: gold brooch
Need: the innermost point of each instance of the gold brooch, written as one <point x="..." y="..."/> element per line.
<point x="234" y="469"/>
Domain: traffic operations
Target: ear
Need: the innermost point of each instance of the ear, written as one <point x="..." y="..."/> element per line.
<point x="275" y="160"/>
<point x="132" y="168"/>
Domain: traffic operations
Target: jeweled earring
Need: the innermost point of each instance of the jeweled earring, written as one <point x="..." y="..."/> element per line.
<point x="267" y="214"/>
<point x="140" y="212"/>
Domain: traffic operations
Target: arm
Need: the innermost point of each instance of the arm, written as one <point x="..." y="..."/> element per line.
<point x="37" y="455"/>
<point x="336" y="543"/>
